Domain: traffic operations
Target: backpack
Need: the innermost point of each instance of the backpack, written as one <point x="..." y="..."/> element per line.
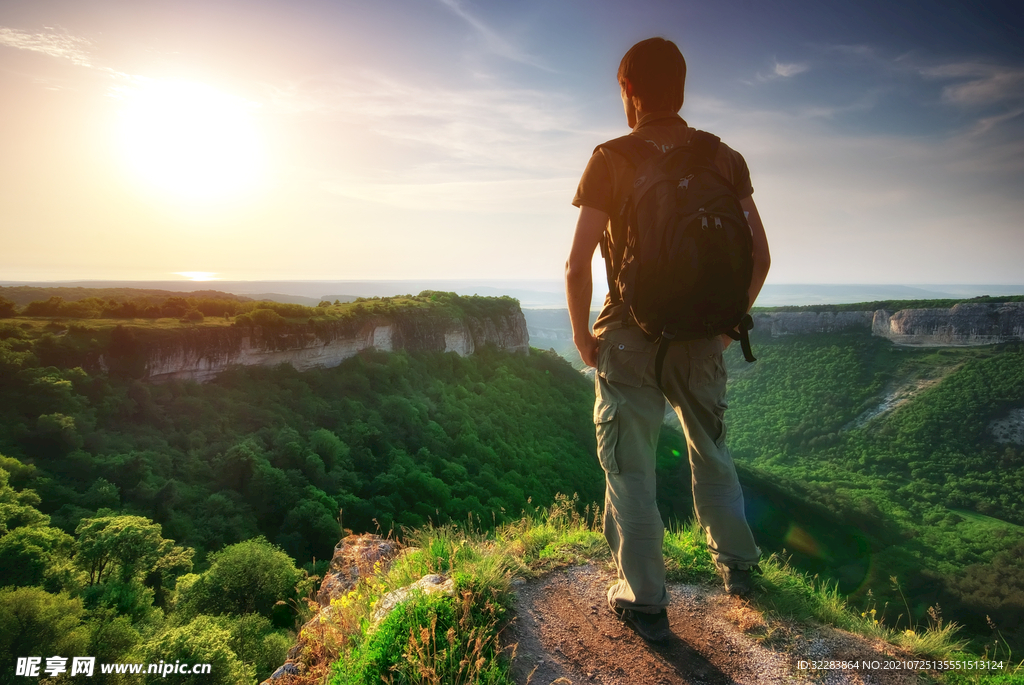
<point x="688" y="260"/>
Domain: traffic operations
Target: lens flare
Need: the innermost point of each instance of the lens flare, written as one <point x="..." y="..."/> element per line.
<point x="799" y="540"/>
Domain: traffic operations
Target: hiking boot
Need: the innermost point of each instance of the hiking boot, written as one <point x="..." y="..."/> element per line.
<point x="651" y="627"/>
<point x="739" y="582"/>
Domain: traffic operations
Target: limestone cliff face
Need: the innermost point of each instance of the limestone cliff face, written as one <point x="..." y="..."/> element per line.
<point x="200" y="354"/>
<point x="797" y="323"/>
<point x="963" y="324"/>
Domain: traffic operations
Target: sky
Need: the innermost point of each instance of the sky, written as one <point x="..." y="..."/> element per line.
<point x="412" y="139"/>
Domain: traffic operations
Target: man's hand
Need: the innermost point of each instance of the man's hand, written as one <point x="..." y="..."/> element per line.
<point x="586" y="345"/>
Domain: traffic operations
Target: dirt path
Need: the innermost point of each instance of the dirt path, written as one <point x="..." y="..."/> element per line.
<point x="565" y="635"/>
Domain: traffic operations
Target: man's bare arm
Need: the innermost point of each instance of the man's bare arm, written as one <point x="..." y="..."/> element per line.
<point x="579" y="283"/>
<point x="762" y="257"/>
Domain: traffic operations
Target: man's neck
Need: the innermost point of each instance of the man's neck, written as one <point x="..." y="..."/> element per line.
<point x="665" y="118"/>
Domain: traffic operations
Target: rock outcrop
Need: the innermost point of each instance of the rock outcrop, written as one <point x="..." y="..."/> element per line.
<point x="430" y="584"/>
<point x="799" y="323"/>
<point x="964" y="324"/>
<point x="355" y="557"/>
<point x="201" y="353"/>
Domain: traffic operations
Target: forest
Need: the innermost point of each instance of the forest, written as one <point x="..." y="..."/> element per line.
<point x="134" y="517"/>
<point x="897" y="442"/>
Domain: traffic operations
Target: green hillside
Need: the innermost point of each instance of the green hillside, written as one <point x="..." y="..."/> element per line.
<point x="128" y="511"/>
<point x="895" y="442"/>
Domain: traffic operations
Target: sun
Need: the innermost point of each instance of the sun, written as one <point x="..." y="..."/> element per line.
<point x="189" y="139"/>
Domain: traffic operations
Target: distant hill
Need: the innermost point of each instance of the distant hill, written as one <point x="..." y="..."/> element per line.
<point x="23" y="294"/>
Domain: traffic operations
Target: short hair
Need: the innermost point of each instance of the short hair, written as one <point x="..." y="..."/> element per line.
<point x="657" y="71"/>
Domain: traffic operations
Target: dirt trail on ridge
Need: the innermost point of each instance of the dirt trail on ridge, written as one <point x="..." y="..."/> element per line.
<point x="565" y="635"/>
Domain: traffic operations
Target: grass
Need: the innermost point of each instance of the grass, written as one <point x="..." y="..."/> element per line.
<point x="456" y="637"/>
<point x="988" y="520"/>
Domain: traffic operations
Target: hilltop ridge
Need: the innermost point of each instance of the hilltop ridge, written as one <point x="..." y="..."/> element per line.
<point x="176" y="338"/>
<point x="200" y="354"/>
<point x="963" y="324"/>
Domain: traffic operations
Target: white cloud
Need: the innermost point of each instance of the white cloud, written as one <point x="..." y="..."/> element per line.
<point x="981" y="84"/>
<point x="787" y="70"/>
<point x="61" y="45"/>
<point x="781" y="70"/>
<point x="985" y="124"/>
<point x="503" y="132"/>
<point x="977" y="83"/>
<point x="494" y="42"/>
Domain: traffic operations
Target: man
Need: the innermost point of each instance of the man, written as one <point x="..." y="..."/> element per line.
<point x="630" y="402"/>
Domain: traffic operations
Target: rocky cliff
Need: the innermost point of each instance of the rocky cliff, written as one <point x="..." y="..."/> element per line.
<point x="798" y="323"/>
<point x="962" y="325"/>
<point x="201" y="353"/>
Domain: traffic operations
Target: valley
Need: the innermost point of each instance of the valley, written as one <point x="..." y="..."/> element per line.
<point x="891" y="470"/>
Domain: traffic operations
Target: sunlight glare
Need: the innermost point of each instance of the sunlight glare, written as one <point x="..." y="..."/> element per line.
<point x="189" y="139"/>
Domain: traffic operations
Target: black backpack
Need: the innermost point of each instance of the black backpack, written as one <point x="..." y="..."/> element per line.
<point x="688" y="259"/>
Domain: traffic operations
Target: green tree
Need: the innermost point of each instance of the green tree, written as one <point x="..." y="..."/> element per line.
<point x="111" y="635"/>
<point x="202" y="641"/>
<point x="128" y="546"/>
<point x="249" y="577"/>
<point x="17" y="507"/>
<point x="255" y="641"/>
<point x="37" y="555"/>
<point x="34" y="622"/>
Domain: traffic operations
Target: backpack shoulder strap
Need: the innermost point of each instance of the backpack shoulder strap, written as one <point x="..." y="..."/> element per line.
<point x="705" y="145"/>
<point x="633" y="148"/>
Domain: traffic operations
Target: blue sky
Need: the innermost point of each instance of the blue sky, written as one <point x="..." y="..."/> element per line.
<point x="444" y="138"/>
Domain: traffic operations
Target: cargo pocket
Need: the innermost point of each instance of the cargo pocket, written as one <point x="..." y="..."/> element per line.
<point x="624" y="357"/>
<point x="607" y="435"/>
<point x="705" y="371"/>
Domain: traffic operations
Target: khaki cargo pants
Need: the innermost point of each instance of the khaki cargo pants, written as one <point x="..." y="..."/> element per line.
<point x="628" y="415"/>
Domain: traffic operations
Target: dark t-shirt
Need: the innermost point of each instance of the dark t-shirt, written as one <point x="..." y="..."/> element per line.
<point x="608" y="178"/>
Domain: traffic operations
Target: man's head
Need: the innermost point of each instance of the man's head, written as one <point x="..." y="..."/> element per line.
<point x="653" y="72"/>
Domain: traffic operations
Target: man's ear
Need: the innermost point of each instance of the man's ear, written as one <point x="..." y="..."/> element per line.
<point x="627" y="87"/>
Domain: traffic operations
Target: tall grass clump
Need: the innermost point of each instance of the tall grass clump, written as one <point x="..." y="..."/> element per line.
<point x="792" y="594"/>
<point x="551" y="537"/>
<point x="687" y="559"/>
<point x="433" y="639"/>
<point x="442" y="639"/>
